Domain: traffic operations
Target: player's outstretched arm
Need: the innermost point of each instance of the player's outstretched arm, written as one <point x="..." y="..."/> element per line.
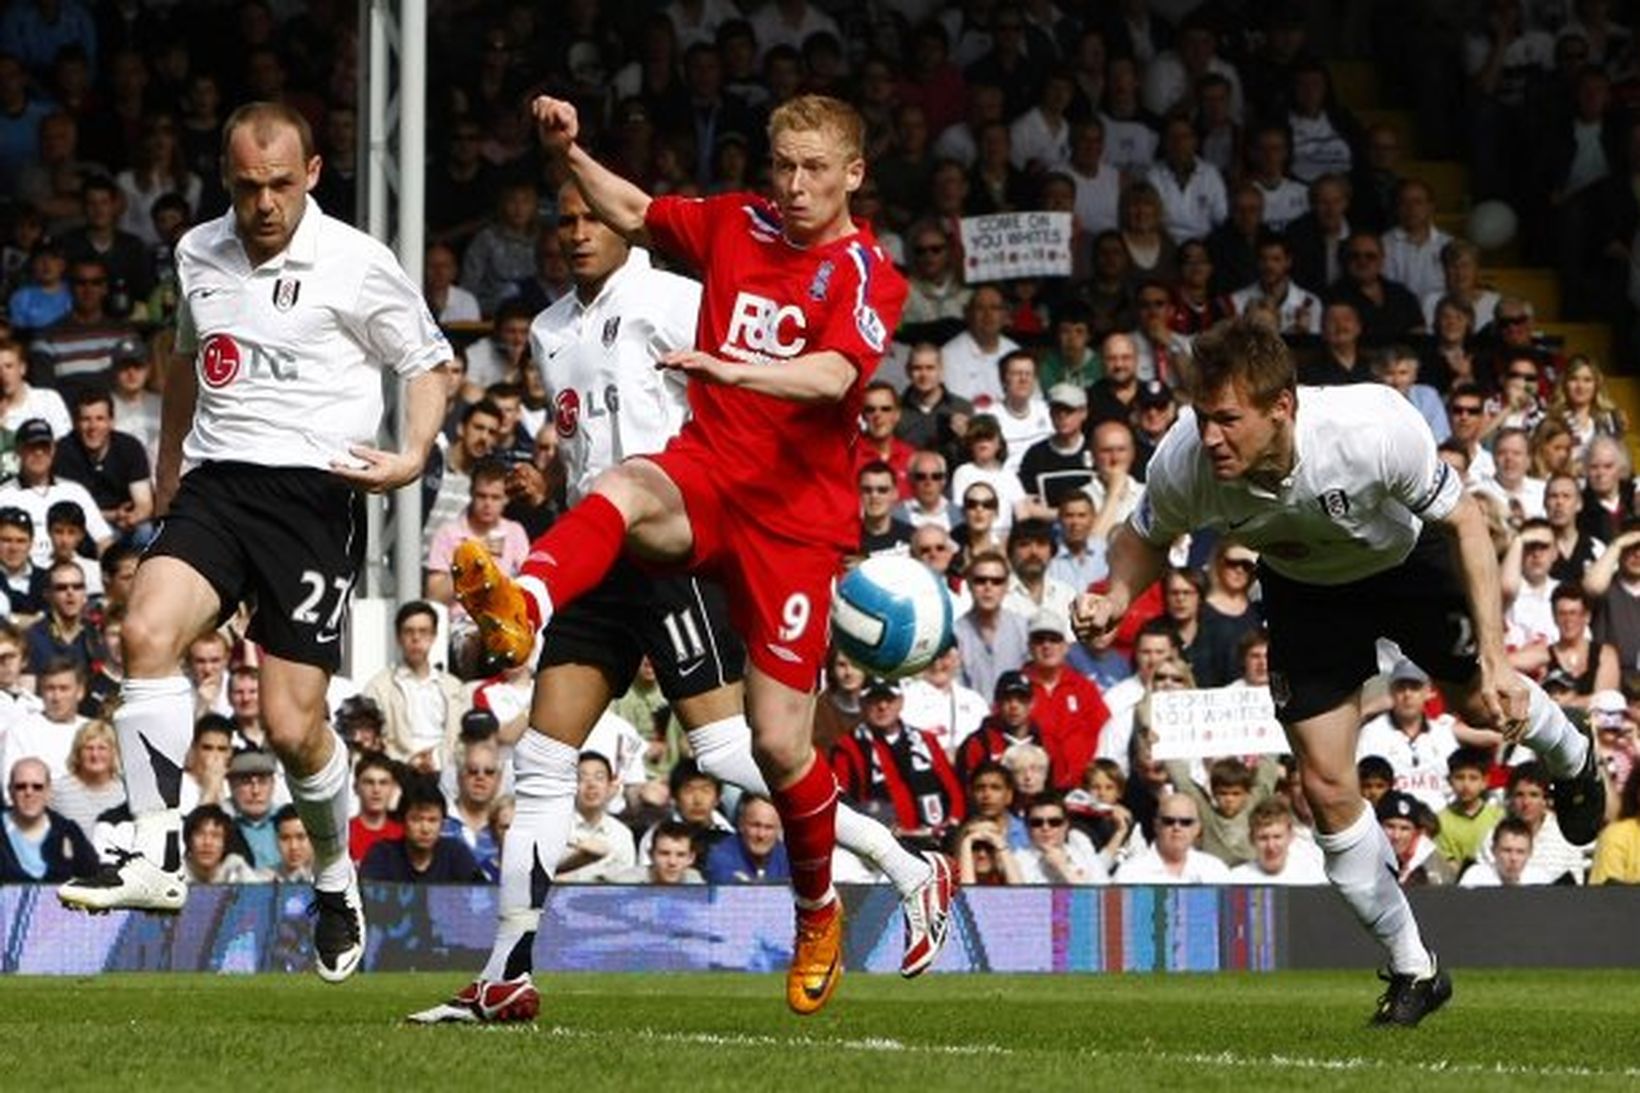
<point x="1135" y="565"/>
<point x="618" y="202"/>
<point x="824" y="376"/>
<point x="423" y="413"/>
<point x="176" y="417"/>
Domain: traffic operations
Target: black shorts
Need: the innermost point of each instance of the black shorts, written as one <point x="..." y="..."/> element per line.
<point x="288" y="540"/>
<point x="1323" y="638"/>
<point x="680" y="622"/>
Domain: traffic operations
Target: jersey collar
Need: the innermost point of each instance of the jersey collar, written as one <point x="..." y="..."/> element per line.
<point x="302" y="249"/>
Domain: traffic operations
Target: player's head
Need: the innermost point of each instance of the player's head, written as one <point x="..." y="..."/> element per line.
<point x="816" y="150"/>
<point x="268" y="167"/>
<point x="1245" y="393"/>
<point x="592" y="248"/>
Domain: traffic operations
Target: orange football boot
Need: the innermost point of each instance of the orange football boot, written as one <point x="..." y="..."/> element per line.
<point x="496" y="602"/>
<point x="817" y="959"/>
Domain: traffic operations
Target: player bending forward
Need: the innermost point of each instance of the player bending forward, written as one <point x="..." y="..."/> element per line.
<point x="1363" y="533"/>
<point x="287" y="318"/>
<point x="596" y="349"/>
<point x="755" y="491"/>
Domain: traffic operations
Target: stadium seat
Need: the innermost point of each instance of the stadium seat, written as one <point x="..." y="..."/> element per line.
<point x="1538" y="285"/>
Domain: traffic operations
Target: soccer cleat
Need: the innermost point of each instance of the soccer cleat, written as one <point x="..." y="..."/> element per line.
<point x="338" y="933"/>
<point x="927" y="911"/>
<point x="817" y="958"/>
<point x="1580" y="802"/>
<point x="1409" y="999"/>
<point x="496" y="602"/>
<point x="128" y="883"/>
<point x="480" y="1003"/>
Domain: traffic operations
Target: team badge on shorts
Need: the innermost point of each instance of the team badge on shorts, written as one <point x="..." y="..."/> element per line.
<point x="1281" y="691"/>
<point x="612" y="328"/>
<point x="1336" y="503"/>
<point x="285" y="292"/>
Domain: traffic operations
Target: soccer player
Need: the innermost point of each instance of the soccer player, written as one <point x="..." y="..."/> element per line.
<point x="756" y="489"/>
<point x="596" y="349"/>
<point x="1362" y="533"/>
<point x="286" y="321"/>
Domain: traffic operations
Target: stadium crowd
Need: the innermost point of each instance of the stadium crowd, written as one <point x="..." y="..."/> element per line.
<point x="1208" y="170"/>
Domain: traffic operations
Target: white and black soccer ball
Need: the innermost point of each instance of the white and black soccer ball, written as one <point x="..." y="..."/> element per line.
<point x="892" y="616"/>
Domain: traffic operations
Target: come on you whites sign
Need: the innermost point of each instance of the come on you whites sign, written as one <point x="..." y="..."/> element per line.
<point x="1008" y="245"/>
<point x="1211" y="723"/>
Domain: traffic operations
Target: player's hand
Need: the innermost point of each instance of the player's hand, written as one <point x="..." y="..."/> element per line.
<point x="1093" y="616"/>
<point x="556" y="122"/>
<point x="382" y="470"/>
<point x="1506" y="700"/>
<point x="696" y="365"/>
<point x="527" y="485"/>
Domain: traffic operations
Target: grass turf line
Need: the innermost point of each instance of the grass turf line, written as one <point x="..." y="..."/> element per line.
<point x="1504" y="1030"/>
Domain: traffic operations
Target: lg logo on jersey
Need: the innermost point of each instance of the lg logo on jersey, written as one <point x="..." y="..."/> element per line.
<point x="222" y="357"/>
<point x="566" y="414"/>
<point x="759" y="327"/>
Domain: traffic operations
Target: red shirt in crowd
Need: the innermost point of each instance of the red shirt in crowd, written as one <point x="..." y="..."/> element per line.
<point x="1069" y="714"/>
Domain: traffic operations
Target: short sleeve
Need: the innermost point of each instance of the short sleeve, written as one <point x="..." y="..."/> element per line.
<point x="682" y="226"/>
<point x="1413" y="471"/>
<point x="1163" y="513"/>
<point x="395" y="322"/>
<point x="864" y="307"/>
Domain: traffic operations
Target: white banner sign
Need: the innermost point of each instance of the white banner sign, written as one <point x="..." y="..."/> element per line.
<point x="1221" y="721"/>
<point x="1008" y="245"/>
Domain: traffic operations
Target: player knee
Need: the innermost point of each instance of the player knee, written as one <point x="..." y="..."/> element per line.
<point x="781" y="755"/>
<point x="151" y="644"/>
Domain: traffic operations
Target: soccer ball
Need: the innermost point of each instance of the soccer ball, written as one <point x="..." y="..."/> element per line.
<point x="892" y="616"/>
<point x="1492" y="224"/>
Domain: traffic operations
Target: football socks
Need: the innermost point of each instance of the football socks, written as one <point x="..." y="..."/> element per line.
<point x="808" y="816"/>
<point x="155" y="726"/>
<point x="321" y="800"/>
<point x="576" y="552"/>
<point x="1552" y="736"/>
<point x="1362" y="867"/>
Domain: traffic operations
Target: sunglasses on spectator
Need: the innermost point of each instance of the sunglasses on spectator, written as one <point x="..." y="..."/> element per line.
<point x="28" y="787"/>
<point x="1168" y="679"/>
<point x="1246" y="564"/>
<point x="69" y="587"/>
<point x="1047" y="821"/>
<point x="1175" y="821"/>
<point x="986" y="579"/>
<point x="1465" y="410"/>
<point x="928" y="476"/>
<point x="979" y="503"/>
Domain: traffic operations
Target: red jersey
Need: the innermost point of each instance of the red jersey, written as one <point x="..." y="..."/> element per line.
<point x="1070" y="718"/>
<point x="787" y="465"/>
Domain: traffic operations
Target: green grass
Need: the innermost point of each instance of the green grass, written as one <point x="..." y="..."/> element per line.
<point x="1504" y="1030"/>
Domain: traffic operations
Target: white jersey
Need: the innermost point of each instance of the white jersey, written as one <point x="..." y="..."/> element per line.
<point x="1419" y="762"/>
<point x="288" y="354"/>
<point x="597" y="361"/>
<point x="1364" y="479"/>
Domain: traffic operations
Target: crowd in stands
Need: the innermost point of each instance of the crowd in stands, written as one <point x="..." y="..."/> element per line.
<point x="1209" y="170"/>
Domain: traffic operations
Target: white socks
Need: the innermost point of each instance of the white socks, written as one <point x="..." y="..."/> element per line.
<point x="154" y="725"/>
<point x="544" y="777"/>
<point x="536" y="589"/>
<point x="723" y="749"/>
<point x="1552" y="736"/>
<point x="1362" y="867"/>
<point x="322" y="803"/>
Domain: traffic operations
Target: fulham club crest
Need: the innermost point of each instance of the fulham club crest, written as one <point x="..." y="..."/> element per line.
<point x="1336" y="503"/>
<point x="285" y="292"/>
<point x="612" y="328"/>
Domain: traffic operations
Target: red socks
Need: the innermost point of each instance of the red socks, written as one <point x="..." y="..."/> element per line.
<point x="577" y="551"/>
<point x="808" y="813"/>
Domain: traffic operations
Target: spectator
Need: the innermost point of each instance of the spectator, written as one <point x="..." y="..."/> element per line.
<point x="423" y="855"/>
<point x="421" y="704"/>
<point x="1066" y="706"/>
<point x="1227" y="612"/>
<point x="500" y="356"/>
<point x="24" y="111"/>
<point x="1416" y="746"/>
<point x="1032" y="769"/>
<point x="1234" y="791"/>
<point x="600" y="846"/>
<point x="64" y="632"/>
<point x="1298" y="310"/>
<point x="461" y="186"/>
<point x="1080" y="559"/>
<point x="1582" y="401"/>
<point x="113" y="466"/>
<point x="984" y="858"/>
<point x="21" y="581"/>
<point x="1376" y="776"/>
<point x="1058" y="853"/>
<point x="1172" y="76"/>
<point x="1529" y="612"/>
<point x="885" y="764"/>
<point x="376" y="785"/>
<point x="1324" y="136"/>
<point x="478" y="783"/>
<point x="1386" y="308"/>
<point x="210" y="854"/>
<point x="1114" y="396"/>
<point x="927" y="506"/>
<point x="136" y="408"/>
<point x="1397" y="366"/>
<point x="1589" y="663"/>
<point x="159" y="167"/>
<point x="447" y="300"/>
<point x="905" y="170"/>
<point x="123" y="255"/>
<point x="482" y="520"/>
<point x="547" y="281"/>
<point x="879" y="443"/>
<point x="1059" y="465"/>
<point x="37" y="489"/>
<point x="1417" y="861"/>
<point x="1466" y="411"/>
<point x="1030" y="546"/>
<point x="1009" y="727"/>
<point x="930" y="415"/>
<point x="837" y="707"/>
<point x="1552" y="855"/>
<point x="1278" y="857"/>
<point x="1150" y="250"/>
<point x="1511" y="843"/>
<point x="1617" y="851"/>
<point x="991" y="799"/>
<point x="1022" y="414"/>
<point x="205" y="769"/>
<point x="48" y="733"/>
<point x="695" y="799"/>
<point x="503" y="250"/>
<point x="93" y="784"/>
<point x="1413" y="248"/>
<point x="1115" y="488"/>
<point x="1617" y="734"/>
<point x="295" y="848"/>
<point x="21" y="402"/>
<point x="756" y="854"/>
<point x="1173" y="859"/>
<point x="936" y="702"/>
<point x="76" y="352"/>
<point x="1318" y="236"/>
<point x="250" y="787"/>
<point x="880" y="531"/>
<point x="45" y="298"/>
<point x="1195" y="307"/>
<point x="1233" y="245"/>
<point x="1164" y="353"/>
<point x="972" y="358"/>
<point x="41" y="846"/>
<point x="445" y="482"/>
<point x="671" y="860"/>
<point x="1466" y="822"/>
<point x="1098" y="183"/>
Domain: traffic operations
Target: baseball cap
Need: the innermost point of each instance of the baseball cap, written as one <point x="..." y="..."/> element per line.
<point x="1606" y="709"/>
<point x="1396" y="805"/>
<point x="1153" y="393"/>
<point x="36" y="430"/>
<point x="251" y="761"/>
<point x="12" y="516"/>
<point x="1067" y="394"/>
<point x="1048" y="621"/>
<point x="1012" y="684"/>
<point x="129" y="351"/>
<point x="479" y="724"/>
<point x="878" y="686"/>
<point x="1407" y="672"/>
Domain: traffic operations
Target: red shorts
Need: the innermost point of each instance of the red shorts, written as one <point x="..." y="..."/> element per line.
<point x="779" y="589"/>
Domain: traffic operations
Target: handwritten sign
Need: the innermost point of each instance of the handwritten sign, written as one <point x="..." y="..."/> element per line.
<point x="1008" y="245"/>
<point x="1221" y="721"/>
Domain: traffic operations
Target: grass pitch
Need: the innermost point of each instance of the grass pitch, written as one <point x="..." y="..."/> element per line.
<point x="1503" y="1030"/>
